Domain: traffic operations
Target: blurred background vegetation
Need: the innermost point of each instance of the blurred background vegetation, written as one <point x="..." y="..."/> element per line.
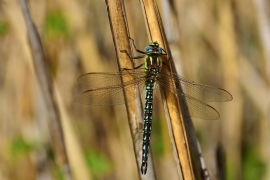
<point x="224" y="43"/>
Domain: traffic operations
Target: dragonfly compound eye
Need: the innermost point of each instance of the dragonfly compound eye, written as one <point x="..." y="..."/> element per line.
<point x="148" y="49"/>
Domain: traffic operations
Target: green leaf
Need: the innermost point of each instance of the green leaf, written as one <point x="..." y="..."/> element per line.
<point x="253" y="167"/>
<point x="56" y="25"/>
<point x="58" y="173"/>
<point x="20" y="147"/>
<point x="3" y="28"/>
<point x="98" y="163"/>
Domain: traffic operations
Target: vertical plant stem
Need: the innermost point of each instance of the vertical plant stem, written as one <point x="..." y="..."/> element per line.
<point x="174" y="117"/>
<point x="45" y="82"/>
<point x="118" y="24"/>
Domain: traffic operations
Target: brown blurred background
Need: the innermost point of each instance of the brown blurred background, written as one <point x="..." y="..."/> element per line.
<point x="217" y="42"/>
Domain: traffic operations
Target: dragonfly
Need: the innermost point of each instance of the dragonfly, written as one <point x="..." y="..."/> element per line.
<point x="107" y="89"/>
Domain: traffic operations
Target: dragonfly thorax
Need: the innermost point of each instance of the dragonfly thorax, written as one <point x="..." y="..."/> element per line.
<point x="153" y="57"/>
<point x="153" y="62"/>
<point x="153" y="65"/>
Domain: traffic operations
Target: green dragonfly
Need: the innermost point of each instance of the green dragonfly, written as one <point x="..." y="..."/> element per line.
<point x="106" y="89"/>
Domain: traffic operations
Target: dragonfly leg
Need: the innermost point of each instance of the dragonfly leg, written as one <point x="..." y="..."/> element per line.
<point x="137" y="67"/>
<point x="165" y="53"/>
<point x="132" y="57"/>
<point x="142" y="52"/>
<point x="139" y="51"/>
<point x="167" y="62"/>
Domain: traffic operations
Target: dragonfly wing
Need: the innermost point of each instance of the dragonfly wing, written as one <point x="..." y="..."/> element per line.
<point x="102" y="80"/>
<point x="199" y="91"/>
<point x="195" y="108"/>
<point x="158" y="91"/>
<point x="112" y="95"/>
<point x="190" y="106"/>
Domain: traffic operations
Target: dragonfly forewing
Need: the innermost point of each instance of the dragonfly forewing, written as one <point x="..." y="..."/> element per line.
<point x="199" y="91"/>
<point x="103" y="80"/>
<point x="106" y="89"/>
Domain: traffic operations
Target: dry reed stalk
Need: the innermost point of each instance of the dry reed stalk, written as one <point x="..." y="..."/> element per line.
<point x="179" y="139"/>
<point x="262" y="7"/>
<point x="174" y="117"/>
<point x="74" y="151"/>
<point x="228" y="54"/>
<point x="260" y="97"/>
<point x="45" y="81"/>
<point x="84" y="41"/>
<point x="119" y="29"/>
<point x="180" y="8"/>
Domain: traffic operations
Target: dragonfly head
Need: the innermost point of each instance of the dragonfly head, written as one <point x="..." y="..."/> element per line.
<point x="153" y="49"/>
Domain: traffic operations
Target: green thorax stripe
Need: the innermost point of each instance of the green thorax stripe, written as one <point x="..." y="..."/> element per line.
<point x="152" y="61"/>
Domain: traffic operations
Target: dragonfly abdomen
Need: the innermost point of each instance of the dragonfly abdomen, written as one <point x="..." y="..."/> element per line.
<point x="148" y="109"/>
